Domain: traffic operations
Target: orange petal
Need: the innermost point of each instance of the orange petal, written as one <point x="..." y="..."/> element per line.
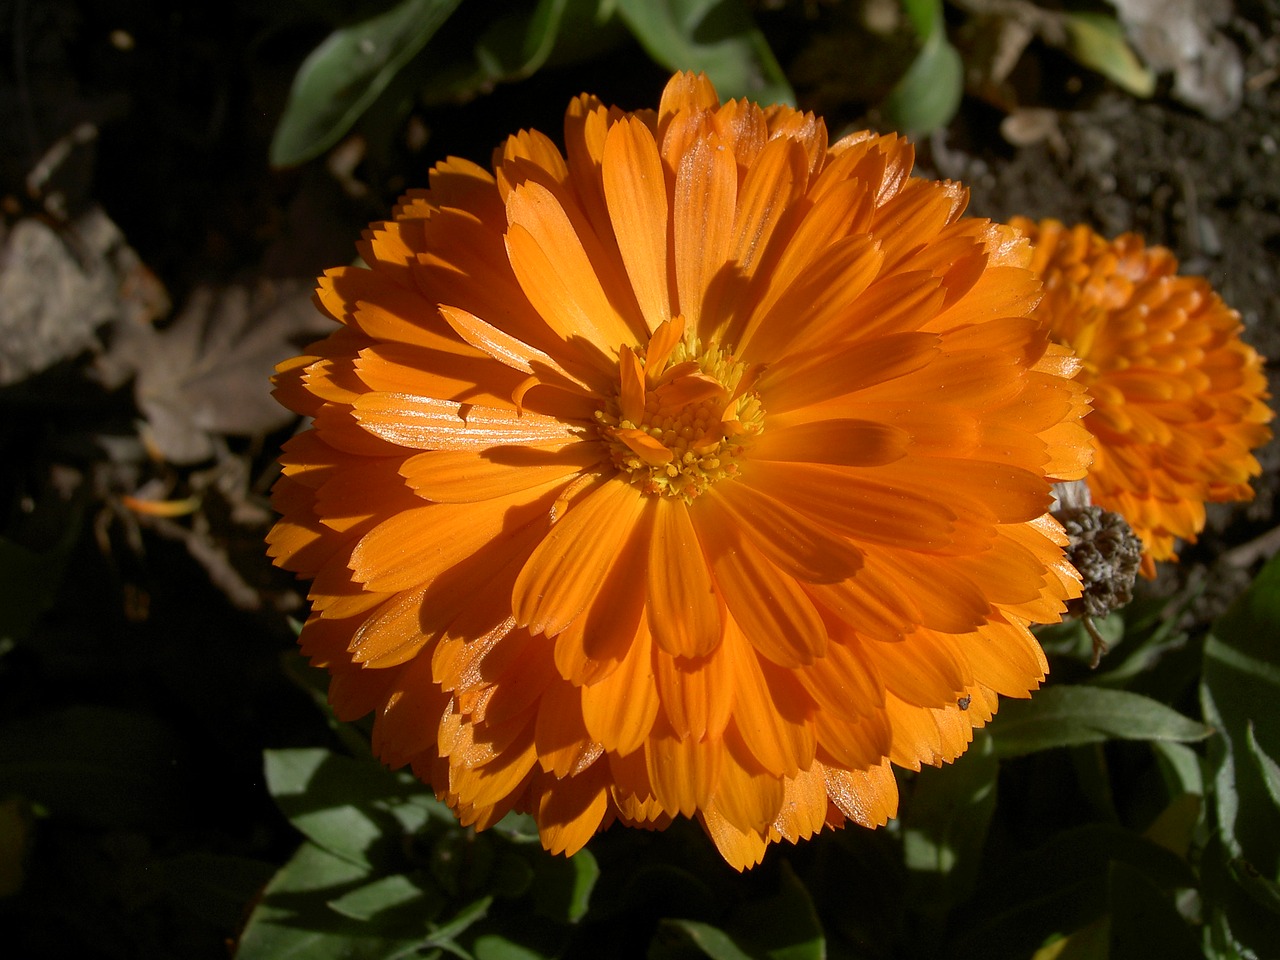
<point x="746" y="795"/>
<point x="556" y="274"/>
<point x="741" y="849"/>
<point x="867" y="797"/>
<point x="816" y="309"/>
<point x="619" y="711"/>
<point x="684" y="611"/>
<point x="595" y="642"/>
<point x="564" y="746"/>
<point x="469" y="476"/>
<point x="772" y="713"/>
<point x="425" y="423"/>
<point x="564" y="573"/>
<point x="774" y="613"/>
<point x="801" y="546"/>
<point x="924" y="670"/>
<point x="706" y="190"/>
<point x="697" y="695"/>
<point x="848" y="442"/>
<point x="683" y="772"/>
<point x="414" y="546"/>
<point x="571" y="811"/>
<point x="798" y="380"/>
<point x="636" y="192"/>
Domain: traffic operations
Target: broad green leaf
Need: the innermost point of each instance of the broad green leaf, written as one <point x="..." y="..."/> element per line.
<point x="562" y="887"/>
<point x="925" y="16"/>
<point x="1268" y="769"/>
<point x="293" y="922"/>
<point x="444" y="934"/>
<point x="1144" y="920"/>
<point x="517" y="827"/>
<point x="1265" y="892"/>
<point x="1240" y="691"/>
<point x="1073" y="715"/>
<point x="518" y="42"/>
<point x="1176" y="824"/>
<point x="1087" y="943"/>
<point x="1070" y="638"/>
<point x="1180" y="767"/>
<point x="784" y="926"/>
<point x="356" y="809"/>
<point x="1059" y="886"/>
<point x="944" y="828"/>
<point x="1240" y="696"/>
<point x="513" y="933"/>
<point x="343" y="76"/>
<point x="1098" y="42"/>
<point x="378" y="896"/>
<point x="491" y="946"/>
<point x="712" y="941"/>
<point x="98" y="765"/>
<point x="928" y="94"/>
<point x="717" y="37"/>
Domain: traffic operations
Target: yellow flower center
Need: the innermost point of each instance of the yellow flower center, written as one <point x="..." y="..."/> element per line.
<point x="680" y="421"/>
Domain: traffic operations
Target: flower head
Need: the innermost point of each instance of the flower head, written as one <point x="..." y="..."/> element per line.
<point x="700" y="470"/>
<point x="1179" y="400"/>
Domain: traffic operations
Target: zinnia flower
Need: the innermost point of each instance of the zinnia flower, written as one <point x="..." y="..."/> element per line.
<point x="700" y="470"/>
<point x="1178" y="397"/>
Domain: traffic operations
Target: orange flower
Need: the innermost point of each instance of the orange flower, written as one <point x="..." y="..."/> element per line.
<point x="699" y="471"/>
<point x="1178" y="398"/>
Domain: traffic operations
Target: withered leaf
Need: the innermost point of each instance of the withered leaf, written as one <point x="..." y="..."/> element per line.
<point x="207" y="374"/>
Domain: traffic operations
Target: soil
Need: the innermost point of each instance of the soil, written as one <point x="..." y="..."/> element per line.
<point x="160" y="116"/>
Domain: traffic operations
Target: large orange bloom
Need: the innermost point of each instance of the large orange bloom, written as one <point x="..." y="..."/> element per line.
<point x="1178" y="397"/>
<point x="698" y="471"/>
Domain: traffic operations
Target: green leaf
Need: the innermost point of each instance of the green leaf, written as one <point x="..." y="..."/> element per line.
<point x="1070" y="638"/>
<point x="1240" y="691"/>
<point x="944" y="829"/>
<point x="1265" y="892"/>
<point x="1098" y="42"/>
<point x="1268" y="769"/>
<point x="562" y="887"/>
<point x="343" y="76"/>
<point x="1144" y="920"/>
<point x="711" y="941"/>
<point x="1176" y="824"/>
<point x="1073" y="715"/>
<point x="515" y="44"/>
<point x="444" y="934"/>
<point x="355" y="809"/>
<point x="293" y="922"/>
<point x="717" y="37"/>
<point x="1180" y="768"/>
<point x="784" y="926"/>
<point x="928" y="94"/>
<point x="1087" y="943"/>
<point x="491" y="946"/>
<point x="378" y="896"/>
<point x="1240" y="696"/>
<point x="1060" y="885"/>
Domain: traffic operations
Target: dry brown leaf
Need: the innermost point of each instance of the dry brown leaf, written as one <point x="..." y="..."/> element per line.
<point x="59" y="285"/>
<point x="207" y="374"/>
